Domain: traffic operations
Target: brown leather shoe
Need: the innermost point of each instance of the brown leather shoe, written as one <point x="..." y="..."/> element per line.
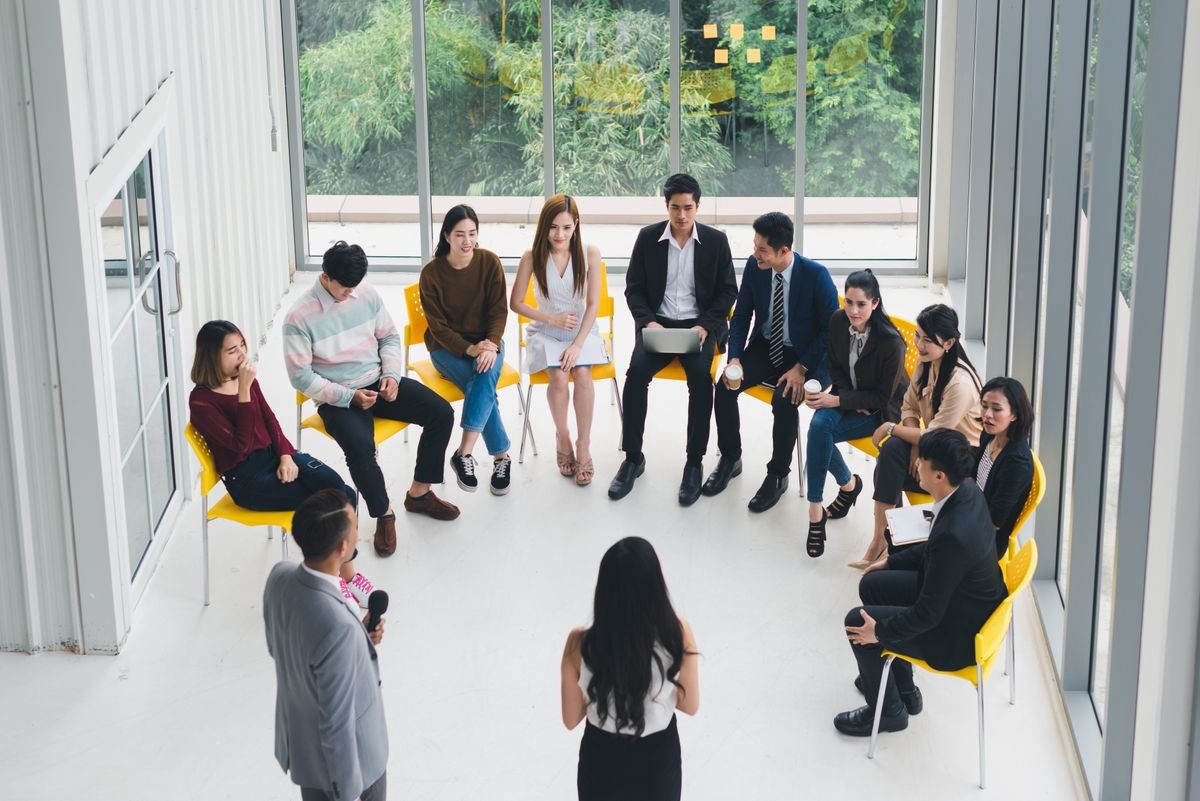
<point x="385" y="535"/>
<point x="432" y="505"/>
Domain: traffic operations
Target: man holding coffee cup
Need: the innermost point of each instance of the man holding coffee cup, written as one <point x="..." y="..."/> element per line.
<point x="789" y="299"/>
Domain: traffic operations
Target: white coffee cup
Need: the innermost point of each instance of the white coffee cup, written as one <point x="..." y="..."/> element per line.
<point x="733" y="376"/>
<point x="811" y="387"/>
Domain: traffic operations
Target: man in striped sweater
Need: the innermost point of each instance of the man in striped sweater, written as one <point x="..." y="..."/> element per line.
<point x="342" y="350"/>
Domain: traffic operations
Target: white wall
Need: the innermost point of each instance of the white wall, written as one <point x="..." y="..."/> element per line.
<point x="73" y="75"/>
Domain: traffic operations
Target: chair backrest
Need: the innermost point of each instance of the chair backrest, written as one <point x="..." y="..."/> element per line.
<point x="1037" y="491"/>
<point x="414" y="329"/>
<point x="1018" y="571"/>
<point x="301" y="398"/>
<point x="208" y="469"/>
<point x="908" y="330"/>
<point x="990" y="637"/>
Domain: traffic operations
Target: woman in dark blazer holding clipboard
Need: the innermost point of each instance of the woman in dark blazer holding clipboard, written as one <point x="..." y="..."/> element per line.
<point x="1003" y="460"/>
<point x="866" y="366"/>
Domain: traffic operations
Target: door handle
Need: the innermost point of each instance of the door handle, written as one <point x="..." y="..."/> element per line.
<point x="178" y="284"/>
<point x="137" y="278"/>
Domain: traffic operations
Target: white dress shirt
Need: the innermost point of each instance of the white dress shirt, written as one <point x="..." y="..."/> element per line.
<point x="336" y="581"/>
<point x="937" y="506"/>
<point x="787" y="288"/>
<point x="679" y="299"/>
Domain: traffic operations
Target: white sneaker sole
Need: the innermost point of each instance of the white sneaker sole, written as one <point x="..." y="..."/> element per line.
<point x="500" y="491"/>
<point x="464" y="486"/>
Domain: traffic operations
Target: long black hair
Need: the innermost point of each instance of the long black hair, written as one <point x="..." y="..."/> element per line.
<point x="879" y="322"/>
<point x="632" y="613"/>
<point x="1018" y="403"/>
<point x="939" y="322"/>
<point x="453" y="217"/>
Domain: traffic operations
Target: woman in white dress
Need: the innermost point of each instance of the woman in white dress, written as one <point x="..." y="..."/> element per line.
<point x="566" y="281"/>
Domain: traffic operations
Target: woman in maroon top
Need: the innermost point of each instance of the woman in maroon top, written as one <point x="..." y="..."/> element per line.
<point x="258" y="465"/>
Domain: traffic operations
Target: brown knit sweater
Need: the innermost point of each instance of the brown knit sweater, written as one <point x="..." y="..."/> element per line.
<point x="464" y="306"/>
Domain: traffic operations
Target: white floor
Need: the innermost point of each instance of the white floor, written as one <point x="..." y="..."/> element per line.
<point x="480" y="609"/>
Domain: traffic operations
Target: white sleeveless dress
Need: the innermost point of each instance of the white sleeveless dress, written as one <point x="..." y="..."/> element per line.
<point x="562" y="299"/>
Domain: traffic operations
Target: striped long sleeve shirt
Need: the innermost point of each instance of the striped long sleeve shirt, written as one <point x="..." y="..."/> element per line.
<point x="332" y="349"/>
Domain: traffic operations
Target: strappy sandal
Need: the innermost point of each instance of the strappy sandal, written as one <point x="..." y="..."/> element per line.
<point x="816" y="536"/>
<point x="584" y="473"/>
<point x="845" y="500"/>
<point x="566" y="463"/>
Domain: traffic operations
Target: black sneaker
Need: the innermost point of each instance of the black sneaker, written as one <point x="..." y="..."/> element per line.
<point x="464" y="471"/>
<point x="500" y="478"/>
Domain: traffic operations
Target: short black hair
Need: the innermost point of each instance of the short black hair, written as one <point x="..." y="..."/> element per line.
<point x="947" y="450"/>
<point x="1018" y="403"/>
<point x="776" y="228"/>
<point x="346" y="264"/>
<point x="681" y="184"/>
<point x="320" y="523"/>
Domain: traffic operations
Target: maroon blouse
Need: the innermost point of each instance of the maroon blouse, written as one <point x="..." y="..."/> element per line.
<point x="234" y="430"/>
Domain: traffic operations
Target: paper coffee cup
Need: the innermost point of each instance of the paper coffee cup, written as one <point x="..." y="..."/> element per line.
<point x="733" y="376"/>
<point x="811" y="387"/>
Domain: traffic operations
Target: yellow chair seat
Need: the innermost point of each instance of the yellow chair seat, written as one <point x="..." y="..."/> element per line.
<point x="865" y="445"/>
<point x="761" y="392"/>
<point x="674" y="370"/>
<point x="226" y="509"/>
<point x="384" y="428"/>
<point x="430" y="377"/>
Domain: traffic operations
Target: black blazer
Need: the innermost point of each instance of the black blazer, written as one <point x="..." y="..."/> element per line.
<point x="1008" y="485"/>
<point x="882" y="379"/>
<point x="811" y="299"/>
<point x="716" y="286"/>
<point x="959" y="580"/>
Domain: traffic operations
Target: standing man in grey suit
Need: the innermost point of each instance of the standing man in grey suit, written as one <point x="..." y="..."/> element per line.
<point x="330" y="732"/>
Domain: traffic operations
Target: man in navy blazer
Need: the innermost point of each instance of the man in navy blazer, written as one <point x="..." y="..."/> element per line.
<point x="680" y="276"/>
<point x="790" y="299"/>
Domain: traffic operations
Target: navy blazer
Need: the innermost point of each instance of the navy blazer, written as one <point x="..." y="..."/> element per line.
<point x="812" y="300"/>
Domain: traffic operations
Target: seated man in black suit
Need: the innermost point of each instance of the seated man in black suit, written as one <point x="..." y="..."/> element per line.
<point x="791" y="299"/>
<point x="929" y="600"/>
<point x="680" y="276"/>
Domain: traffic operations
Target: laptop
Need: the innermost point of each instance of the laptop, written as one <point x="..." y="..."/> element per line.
<point x="674" y="341"/>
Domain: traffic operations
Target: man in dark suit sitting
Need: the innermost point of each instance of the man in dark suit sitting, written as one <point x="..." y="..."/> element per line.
<point x="791" y="299"/>
<point x="928" y="600"/>
<point x="680" y="276"/>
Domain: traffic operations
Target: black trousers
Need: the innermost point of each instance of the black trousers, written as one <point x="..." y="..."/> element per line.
<point x="376" y="792"/>
<point x="885" y="594"/>
<point x="643" y="366"/>
<point x="354" y="430"/>
<point x="757" y="369"/>
<point x="254" y="485"/>
<point x="616" y="767"/>
<point x="892" y="478"/>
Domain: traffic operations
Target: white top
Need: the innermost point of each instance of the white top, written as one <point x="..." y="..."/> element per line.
<point x="336" y="581"/>
<point x="787" y="288"/>
<point x="659" y="705"/>
<point x="562" y="298"/>
<point x="985" y="468"/>
<point x="679" y="300"/>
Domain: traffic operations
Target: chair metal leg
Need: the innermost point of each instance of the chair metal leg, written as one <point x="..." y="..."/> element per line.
<point x="616" y="391"/>
<point x="800" y="461"/>
<point x="204" y="546"/>
<point x="982" y="748"/>
<point x="887" y="669"/>
<point x="299" y="417"/>
<point x="521" y="401"/>
<point x="283" y="538"/>
<point x="1012" y="664"/>
<point x="525" y="426"/>
<point x="270" y="532"/>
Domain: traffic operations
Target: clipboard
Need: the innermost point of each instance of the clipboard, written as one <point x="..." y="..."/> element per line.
<point x="910" y="524"/>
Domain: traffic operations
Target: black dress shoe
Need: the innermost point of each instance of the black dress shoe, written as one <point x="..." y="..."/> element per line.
<point x="689" y="487"/>
<point x="719" y="479"/>
<point x="627" y="473"/>
<point x="913" y="701"/>
<point x="769" y="493"/>
<point x="858" y="722"/>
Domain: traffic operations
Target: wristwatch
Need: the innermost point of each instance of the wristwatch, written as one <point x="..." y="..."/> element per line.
<point x="891" y="428"/>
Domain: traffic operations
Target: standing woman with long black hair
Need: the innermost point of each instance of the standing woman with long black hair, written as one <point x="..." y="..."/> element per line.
<point x="944" y="393"/>
<point x="627" y="674"/>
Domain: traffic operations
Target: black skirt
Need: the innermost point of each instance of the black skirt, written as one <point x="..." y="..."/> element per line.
<point x="618" y="767"/>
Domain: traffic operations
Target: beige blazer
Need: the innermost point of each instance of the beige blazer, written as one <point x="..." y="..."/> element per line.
<point x="960" y="403"/>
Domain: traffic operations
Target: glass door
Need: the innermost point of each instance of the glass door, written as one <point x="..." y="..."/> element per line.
<point x="141" y="285"/>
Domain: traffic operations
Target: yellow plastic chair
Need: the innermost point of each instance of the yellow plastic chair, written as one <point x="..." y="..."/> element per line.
<point x="988" y="642"/>
<point x="384" y="428"/>
<point x="1037" y="491"/>
<point x="414" y="334"/>
<point x="600" y="372"/>
<point x="226" y="509"/>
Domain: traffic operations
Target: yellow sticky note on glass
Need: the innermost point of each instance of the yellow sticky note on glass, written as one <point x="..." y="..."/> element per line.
<point x="768" y="33"/>
<point x="720" y="56"/>
<point x="710" y="31"/>
<point x="737" y="30"/>
<point x="753" y="55"/>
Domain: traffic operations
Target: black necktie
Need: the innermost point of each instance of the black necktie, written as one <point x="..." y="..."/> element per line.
<point x="776" y="333"/>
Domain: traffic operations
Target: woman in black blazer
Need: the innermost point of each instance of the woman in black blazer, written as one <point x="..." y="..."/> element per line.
<point x="1003" y="460"/>
<point x="865" y="393"/>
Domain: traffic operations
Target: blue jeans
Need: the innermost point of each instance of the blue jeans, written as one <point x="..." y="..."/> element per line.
<point x="254" y="485"/>
<point x="481" y="409"/>
<point x="830" y="426"/>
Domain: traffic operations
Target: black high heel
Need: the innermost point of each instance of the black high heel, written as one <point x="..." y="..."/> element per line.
<point x="816" y="536"/>
<point x="845" y="500"/>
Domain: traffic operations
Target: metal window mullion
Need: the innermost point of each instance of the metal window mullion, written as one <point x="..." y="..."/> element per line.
<point x="1095" y="372"/>
<point x="979" y="190"/>
<point x="1146" y="359"/>
<point x="801" y="149"/>
<point x="924" y="180"/>
<point x="295" y="132"/>
<point x="675" y="145"/>
<point x="421" y="108"/>
<point x="1057" y="300"/>
<point x="549" y="181"/>
<point x="999" y="247"/>
<point x="1032" y="141"/>
<point x="960" y="144"/>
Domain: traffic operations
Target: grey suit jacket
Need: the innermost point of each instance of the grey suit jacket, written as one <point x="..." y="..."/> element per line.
<point x="330" y="731"/>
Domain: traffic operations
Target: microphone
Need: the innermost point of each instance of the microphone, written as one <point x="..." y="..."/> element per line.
<point x="377" y="604"/>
